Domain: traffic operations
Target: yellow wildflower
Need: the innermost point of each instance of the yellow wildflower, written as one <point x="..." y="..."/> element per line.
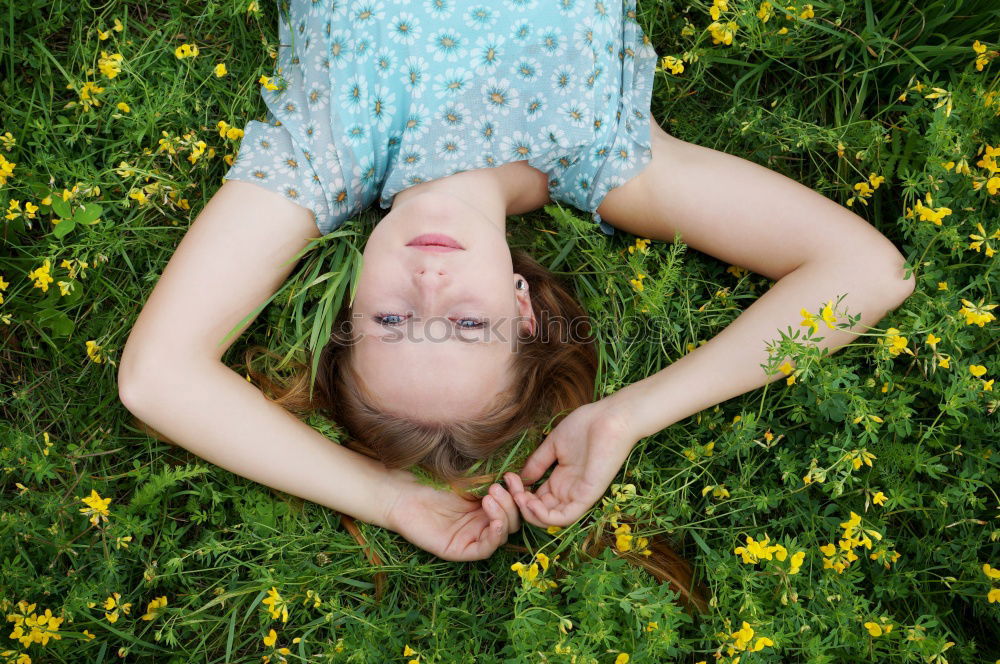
<point x="93" y="352"/>
<point x="271" y="638"/>
<point x="276" y="605"/>
<point x="123" y="107"/>
<point x="41" y="276"/>
<point x="112" y="605"/>
<point x="186" y="51"/>
<point x="153" y="608"/>
<point x="220" y="70"/>
<point x="110" y="65"/>
<point x="977" y="314"/>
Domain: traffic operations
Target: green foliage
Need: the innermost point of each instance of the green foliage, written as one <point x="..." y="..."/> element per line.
<point x="887" y="89"/>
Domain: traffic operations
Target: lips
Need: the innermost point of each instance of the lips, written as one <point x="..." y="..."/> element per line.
<point x="434" y="240"/>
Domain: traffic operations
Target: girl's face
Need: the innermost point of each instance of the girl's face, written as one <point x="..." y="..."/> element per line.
<point x="437" y="326"/>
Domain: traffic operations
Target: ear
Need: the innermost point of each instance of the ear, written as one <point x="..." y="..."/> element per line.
<point x="527" y="322"/>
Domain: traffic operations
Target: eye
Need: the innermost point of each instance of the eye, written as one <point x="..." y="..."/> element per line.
<point x="475" y="324"/>
<point x="388" y="319"/>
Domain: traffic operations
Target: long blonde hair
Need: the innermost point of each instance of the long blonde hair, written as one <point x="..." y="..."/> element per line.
<point x="554" y="373"/>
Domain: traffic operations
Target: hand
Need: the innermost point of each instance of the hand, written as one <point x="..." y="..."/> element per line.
<point x="449" y="526"/>
<point x="590" y="445"/>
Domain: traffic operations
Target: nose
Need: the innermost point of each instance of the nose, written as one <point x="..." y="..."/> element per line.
<point x="430" y="280"/>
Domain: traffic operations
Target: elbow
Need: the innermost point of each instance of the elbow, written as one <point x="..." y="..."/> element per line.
<point x="129" y="386"/>
<point x="896" y="284"/>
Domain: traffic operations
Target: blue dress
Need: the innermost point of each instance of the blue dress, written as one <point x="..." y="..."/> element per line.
<point x="379" y="95"/>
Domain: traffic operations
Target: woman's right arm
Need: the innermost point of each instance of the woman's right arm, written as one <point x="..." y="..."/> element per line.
<point x="171" y="377"/>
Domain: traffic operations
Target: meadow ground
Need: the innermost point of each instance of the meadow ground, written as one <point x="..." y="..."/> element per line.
<point x="876" y="469"/>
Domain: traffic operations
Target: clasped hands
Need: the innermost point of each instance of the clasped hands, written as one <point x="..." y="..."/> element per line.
<point x="588" y="447"/>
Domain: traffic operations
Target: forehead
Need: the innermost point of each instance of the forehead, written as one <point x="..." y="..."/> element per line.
<point x="442" y="380"/>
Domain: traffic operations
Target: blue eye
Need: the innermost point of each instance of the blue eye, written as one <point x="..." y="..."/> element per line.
<point x="388" y="319"/>
<point x="475" y="323"/>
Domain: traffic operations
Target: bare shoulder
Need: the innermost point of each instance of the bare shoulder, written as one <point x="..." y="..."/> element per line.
<point x="233" y="257"/>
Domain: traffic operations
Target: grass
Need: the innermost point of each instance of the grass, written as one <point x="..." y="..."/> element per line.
<point x="859" y="88"/>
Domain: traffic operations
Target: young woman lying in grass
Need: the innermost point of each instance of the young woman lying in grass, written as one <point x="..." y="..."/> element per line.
<point x="453" y="352"/>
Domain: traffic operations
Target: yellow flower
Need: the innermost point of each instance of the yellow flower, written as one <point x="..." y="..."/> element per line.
<point x="271" y="638"/>
<point x="652" y="626"/>
<point x="41" y="276"/>
<point x="123" y="107"/>
<point x="97" y="508"/>
<point x="122" y="542"/>
<point x="932" y="340"/>
<point x="879" y="498"/>
<point x="765" y="12"/>
<point x="112" y="605"/>
<point x="873" y="628"/>
<point x="676" y="66"/>
<point x="622" y="658"/>
<point x="220" y="70"/>
<point x="276" y="605"/>
<point x="267" y="82"/>
<point x="93" y="352"/>
<point x="796" y="562"/>
<point x="153" y="608"/>
<point x="6" y="169"/>
<point x="723" y="34"/>
<point x="993" y="595"/>
<point x="991" y="572"/>
<point x="110" y="65"/>
<point x="186" y="51"/>
<point x="977" y="370"/>
<point x="977" y="314"/>
<point x="718" y="6"/>
<point x="807" y="12"/>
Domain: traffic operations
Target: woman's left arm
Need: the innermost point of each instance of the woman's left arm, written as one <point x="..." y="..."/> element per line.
<point x="747" y="215"/>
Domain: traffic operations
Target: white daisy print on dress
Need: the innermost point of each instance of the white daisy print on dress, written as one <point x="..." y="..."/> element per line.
<point x="365" y="13"/>
<point x="499" y="96"/>
<point x="416" y="124"/>
<point x="405" y="29"/>
<point x="518" y="145"/>
<point x="450" y="147"/>
<point x="385" y="61"/>
<point x="453" y="115"/>
<point x="485" y="131"/>
<point x="341" y="49"/>
<point x="535" y="106"/>
<point x="413" y="157"/>
<point x="415" y="75"/>
<point x="354" y="93"/>
<point x="553" y="42"/>
<point x="447" y="44"/>
<point x="452" y="82"/>
<point x="480" y="17"/>
<point x="562" y="80"/>
<point x="575" y="113"/>
<point x="382" y="106"/>
<point x="526" y="68"/>
<point x="439" y="8"/>
<point x="488" y="54"/>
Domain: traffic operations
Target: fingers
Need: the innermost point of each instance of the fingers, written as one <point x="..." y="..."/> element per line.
<point x="539" y="461"/>
<point x="506" y="503"/>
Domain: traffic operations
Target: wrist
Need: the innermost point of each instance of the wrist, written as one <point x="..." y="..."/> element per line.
<point x="395" y="486"/>
<point x="619" y="408"/>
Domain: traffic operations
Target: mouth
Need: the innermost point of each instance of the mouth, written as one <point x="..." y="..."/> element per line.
<point x="435" y="242"/>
